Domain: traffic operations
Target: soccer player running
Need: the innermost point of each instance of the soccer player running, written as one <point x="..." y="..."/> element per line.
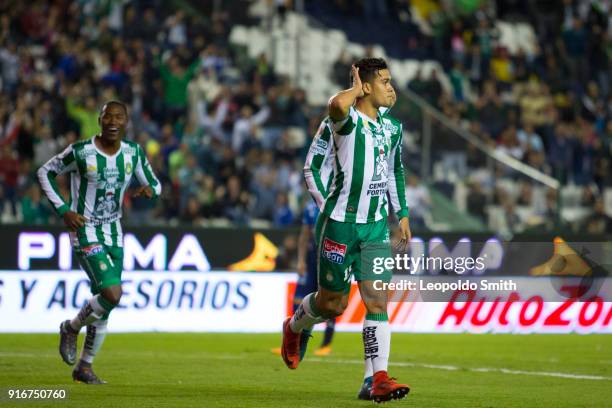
<point x="100" y="169"/>
<point x="352" y="228"/>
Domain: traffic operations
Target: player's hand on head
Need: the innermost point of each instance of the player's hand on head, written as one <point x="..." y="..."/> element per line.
<point x="357" y="80"/>
<point x="143" y="191"/>
<point x="73" y="220"/>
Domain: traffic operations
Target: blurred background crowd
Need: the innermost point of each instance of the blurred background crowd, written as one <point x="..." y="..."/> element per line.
<point x="227" y="134"/>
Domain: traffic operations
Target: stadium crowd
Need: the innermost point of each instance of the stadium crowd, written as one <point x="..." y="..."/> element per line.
<point x="227" y="136"/>
<point x="549" y="106"/>
<point x="226" y="140"/>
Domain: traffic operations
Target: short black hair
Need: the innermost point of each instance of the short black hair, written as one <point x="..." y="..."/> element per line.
<point x="115" y="102"/>
<point x="369" y="67"/>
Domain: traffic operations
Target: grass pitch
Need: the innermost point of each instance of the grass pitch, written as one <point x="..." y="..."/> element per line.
<point x="238" y="370"/>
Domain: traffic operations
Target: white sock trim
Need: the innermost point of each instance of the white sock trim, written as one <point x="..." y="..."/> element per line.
<point x="304" y="317"/>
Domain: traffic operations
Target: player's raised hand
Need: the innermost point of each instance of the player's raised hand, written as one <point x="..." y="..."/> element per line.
<point x="73" y="220"/>
<point x="143" y="191"/>
<point x="404" y="235"/>
<point x="357" y="85"/>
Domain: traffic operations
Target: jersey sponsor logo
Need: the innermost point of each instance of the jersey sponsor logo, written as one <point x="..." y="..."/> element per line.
<point x="334" y="251"/>
<point x="92" y="250"/>
<point x="109" y="180"/>
<point x="96" y="222"/>
<point x="319" y="147"/>
<point x="390" y="127"/>
<point x="85" y="152"/>
<point x="377" y="189"/>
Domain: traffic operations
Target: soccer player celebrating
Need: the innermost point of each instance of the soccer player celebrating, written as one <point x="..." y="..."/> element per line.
<point x="352" y="228"/>
<point x="317" y="171"/>
<point x="100" y="169"/>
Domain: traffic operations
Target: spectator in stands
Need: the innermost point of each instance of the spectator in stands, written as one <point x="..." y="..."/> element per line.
<point x="513" y="221"/>
<point x="491" y="110"/>
<point x="598" y="222"/>
<point x="432" y="88"/>
<point x="574" y="50"/>
<point x="283" y="216"/>
<point x="175" y="78"/>
<point x="341" y="67"/>
<point x="33" y="209"/>
<point x="419" y="202"/>
<point x="85" y="114"/>
<point x="476" y="200"/>
<point x="501" y="68"/>
<point x="235" y="202"/>
<point x="8" y="179"/>
<point x="529" y="139"/>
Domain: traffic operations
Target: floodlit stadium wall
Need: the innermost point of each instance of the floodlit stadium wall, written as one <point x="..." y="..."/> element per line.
<point x="227" y="301"/>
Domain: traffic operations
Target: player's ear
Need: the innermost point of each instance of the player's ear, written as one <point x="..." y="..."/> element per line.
<point x="367" y="88"/>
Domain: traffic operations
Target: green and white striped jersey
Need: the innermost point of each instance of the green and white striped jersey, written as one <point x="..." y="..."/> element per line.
<point x="367" y="165"/>
<point x="319" y="164"/>
<point x="97" y="185"/>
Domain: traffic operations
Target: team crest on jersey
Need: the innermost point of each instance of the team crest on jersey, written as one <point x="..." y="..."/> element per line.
<point x="128" y="168"/>
<point x="333" y="251"/>
<point x="380" y="166"/>
<point x="92" y="168"/>
<point x="92" y="250"/>
<point x="106" y="205"/>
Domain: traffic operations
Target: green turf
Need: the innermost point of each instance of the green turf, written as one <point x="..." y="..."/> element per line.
<point x="238" y="370"/>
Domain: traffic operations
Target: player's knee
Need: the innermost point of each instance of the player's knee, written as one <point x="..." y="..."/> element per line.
<point x="113" y="295"/>
<point x="376" y="306"/>
<point x="333" y="308"/>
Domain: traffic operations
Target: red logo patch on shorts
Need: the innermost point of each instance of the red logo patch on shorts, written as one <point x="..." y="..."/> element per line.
<point x="92" y="250"/>
<point x="333" y="251"/>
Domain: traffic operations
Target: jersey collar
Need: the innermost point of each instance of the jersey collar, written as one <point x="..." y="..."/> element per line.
<point x="376" y="123"/>
<point x="108" y="156"/>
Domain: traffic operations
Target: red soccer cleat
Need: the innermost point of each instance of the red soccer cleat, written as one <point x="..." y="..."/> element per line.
<point x="385" y="388"/>
<point x="290" y="350"/>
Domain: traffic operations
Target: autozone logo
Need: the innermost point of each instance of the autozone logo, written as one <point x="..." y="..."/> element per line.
<point x="525" y="314"/>
<point x="333" y="251"/>
<point x="511" y="314"/>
